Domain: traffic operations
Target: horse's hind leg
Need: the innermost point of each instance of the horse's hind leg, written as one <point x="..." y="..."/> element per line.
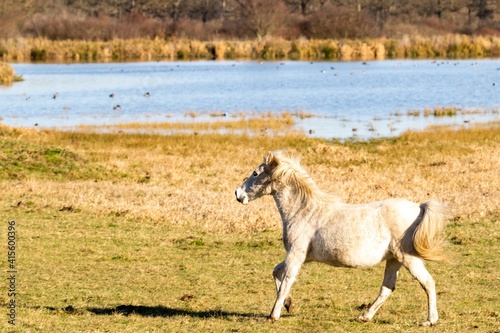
<point x="278" y="272"/>
<point x="417" y="268"/>
<point x="392" y="267"/>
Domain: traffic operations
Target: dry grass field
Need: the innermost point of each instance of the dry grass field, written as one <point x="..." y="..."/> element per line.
<point x="142" y="233"/>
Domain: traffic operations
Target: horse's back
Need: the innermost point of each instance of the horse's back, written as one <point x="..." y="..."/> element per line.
<point x="362" y="235"/>
<point x="399" y="214"/>
<point x="394" y="215"/>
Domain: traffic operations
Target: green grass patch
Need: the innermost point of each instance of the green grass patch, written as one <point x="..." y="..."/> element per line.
<point x="22" y="160"/>
<point x="78" y="273"/>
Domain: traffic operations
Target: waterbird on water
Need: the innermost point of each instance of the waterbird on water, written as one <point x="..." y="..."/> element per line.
<point x="112" y="95"/>
<point x="117" y="107"/>
<point x="55" y="96"/>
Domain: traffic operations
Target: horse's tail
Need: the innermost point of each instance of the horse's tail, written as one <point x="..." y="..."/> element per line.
<point x="427" y="238"/>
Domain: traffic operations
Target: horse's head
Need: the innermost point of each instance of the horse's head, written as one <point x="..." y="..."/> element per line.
<point x="260" y="181"/>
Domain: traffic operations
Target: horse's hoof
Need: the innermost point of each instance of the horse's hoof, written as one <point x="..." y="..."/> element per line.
<point x="288" y="304"/>
<point x="428" y="323"/>
<point x="271" y="320"/>
<point x="362" y="319"/>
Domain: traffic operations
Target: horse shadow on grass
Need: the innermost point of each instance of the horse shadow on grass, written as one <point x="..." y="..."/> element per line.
<point x="166" y="312"/>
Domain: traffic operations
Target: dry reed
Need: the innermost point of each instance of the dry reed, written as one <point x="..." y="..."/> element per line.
<point x="443" y="46"/>
<point x="448" y="111"/>
<point x="7" y="75"/>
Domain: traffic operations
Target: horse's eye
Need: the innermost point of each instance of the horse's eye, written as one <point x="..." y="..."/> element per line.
<point x="255" y="174"/>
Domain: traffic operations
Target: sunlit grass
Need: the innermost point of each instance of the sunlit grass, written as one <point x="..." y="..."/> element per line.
<point x="141" y="232"/>
<point x="437" y="163"/>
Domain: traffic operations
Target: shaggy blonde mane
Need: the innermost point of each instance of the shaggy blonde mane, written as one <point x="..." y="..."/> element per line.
<point x="287" y="170"/>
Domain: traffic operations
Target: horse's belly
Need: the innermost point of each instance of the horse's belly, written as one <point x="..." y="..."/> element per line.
<point x="367" y="254"/>
<point x="347" y="260"/>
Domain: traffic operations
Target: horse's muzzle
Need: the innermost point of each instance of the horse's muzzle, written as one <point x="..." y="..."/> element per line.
<point x="241" y="196"/>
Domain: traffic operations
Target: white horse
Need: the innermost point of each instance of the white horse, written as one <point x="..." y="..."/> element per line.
<point x="319" y="227"/>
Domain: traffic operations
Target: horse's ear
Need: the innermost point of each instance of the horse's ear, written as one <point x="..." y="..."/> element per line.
<point x="270" y="160"/>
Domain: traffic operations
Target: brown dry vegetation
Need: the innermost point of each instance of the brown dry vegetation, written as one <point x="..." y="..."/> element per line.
<point x="239" y="123"/>
<point x="7" y="75"/>
<point x="242" y="19"/>
<point x="416" y="46"/>
<point x="155" y="177"/>
<point x="38" y="30"/>
<point x="129" y="232"/>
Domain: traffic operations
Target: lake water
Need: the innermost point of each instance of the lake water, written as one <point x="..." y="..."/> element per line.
<point x="345" y="99"/>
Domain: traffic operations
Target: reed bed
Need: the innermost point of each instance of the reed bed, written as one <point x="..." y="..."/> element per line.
<point x="448" y="111"/>
<point x="7" y="75"/>
<point x="445" y="46"/>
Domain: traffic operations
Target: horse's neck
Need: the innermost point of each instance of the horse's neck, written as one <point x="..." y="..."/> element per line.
<point x="291" y="207"/>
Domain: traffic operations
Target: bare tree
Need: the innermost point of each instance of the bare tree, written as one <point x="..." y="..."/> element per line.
<point x="485" y="9"/>
<point x="207" y="10"/>
<point x="380" y="10"/>
<point x="340" y="22"/>
<point x="302" y="6"/>
<point x="245" y="18"/>
<point x="260" y="17"/>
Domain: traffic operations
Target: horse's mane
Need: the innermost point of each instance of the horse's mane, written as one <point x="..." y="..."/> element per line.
<point x="287" y="170"/>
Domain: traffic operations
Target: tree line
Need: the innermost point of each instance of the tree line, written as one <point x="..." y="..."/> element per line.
<point x="245" y="19"/>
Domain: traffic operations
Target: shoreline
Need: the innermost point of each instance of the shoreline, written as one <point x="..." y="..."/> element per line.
<point x="282" y="124"/>
<point x="160" y="112"/>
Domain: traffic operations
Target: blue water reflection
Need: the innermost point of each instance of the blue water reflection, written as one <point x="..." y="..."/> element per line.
<point x="345" y="98"/>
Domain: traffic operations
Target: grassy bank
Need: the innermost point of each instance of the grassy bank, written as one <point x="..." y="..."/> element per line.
<point x="270" y="123"/>
<point x="7" y="75"/>
<point x="446" y="46"/>
<point x="136" y="233"/>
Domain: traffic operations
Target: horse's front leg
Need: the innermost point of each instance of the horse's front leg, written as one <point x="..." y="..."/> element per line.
<point x="289" y="270"/>
<point x="278" y="277"/>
